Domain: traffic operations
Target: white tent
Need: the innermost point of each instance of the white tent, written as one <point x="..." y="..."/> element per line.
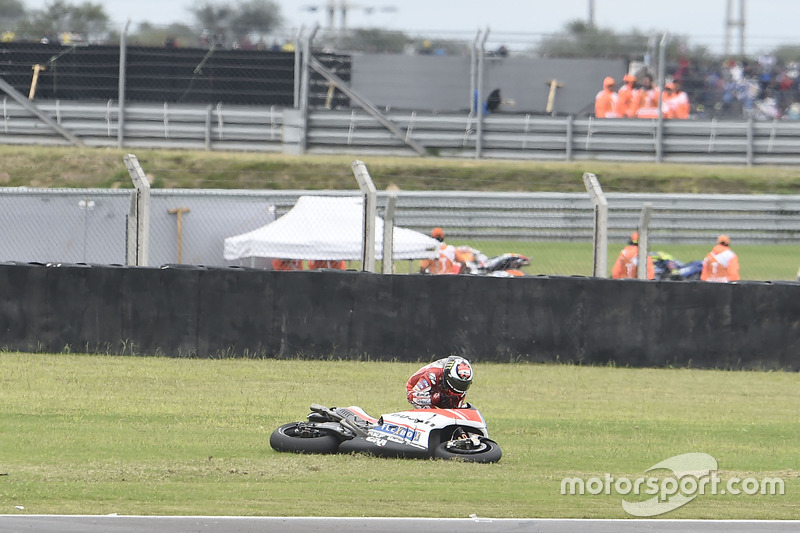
<point x="325" y="227"/>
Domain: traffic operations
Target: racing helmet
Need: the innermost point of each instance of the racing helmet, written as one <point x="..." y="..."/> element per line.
<point x="457" y="374"/>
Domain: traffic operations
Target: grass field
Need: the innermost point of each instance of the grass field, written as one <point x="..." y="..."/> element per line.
<point x="101" y="434"/>
<point x="40" y="166"/>
<point x="758" y="262"/>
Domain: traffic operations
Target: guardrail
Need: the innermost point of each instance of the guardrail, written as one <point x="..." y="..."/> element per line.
<point x="88" y="225"/>
<point x="505" y="135"/>
<point x="229" y="127"/>
<point x="527" y="136"/>
<point x="676" y="218"/>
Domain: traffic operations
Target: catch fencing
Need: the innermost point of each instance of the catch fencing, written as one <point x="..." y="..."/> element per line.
<point x="89" y="225"/>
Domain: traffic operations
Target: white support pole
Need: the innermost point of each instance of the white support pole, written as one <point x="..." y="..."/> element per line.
<point x="139" y="218"/>
<point x="370" y="195"/>
<point x="305" y="81"/>
<point x="600" y="238"/>
<point x="473" y="72"/>
<point x="644" y="229"/>
<point x="662" y="65"/>
<point x="479" y="105"/>
<point x="298" y="46"/>
<point x="123" y="67"/>
<point x="388" y="233"/>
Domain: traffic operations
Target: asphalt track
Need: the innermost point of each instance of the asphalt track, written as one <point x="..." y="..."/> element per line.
<point x="233" y="524"/>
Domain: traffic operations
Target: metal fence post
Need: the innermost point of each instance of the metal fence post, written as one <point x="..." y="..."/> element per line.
<point x="600" y="237"/>
<point x="644" y="228"/>
<point x="305" y="80"/>
<point x="138" y="247"/>
<point x="123" y="66"/>
<point x="297" y="66"/>
<point x="479" y="103"/>
<point x="388" y="233"/>
<point x="370" y="195"/>
<point x="473" y="58"/>
<point x="662" y="53"/>
<point x="750" y="139"/>
<point x="570" y="124"/>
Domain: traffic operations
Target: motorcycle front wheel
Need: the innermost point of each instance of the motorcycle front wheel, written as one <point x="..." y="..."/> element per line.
<point x="303" y="437"/>
<point x="465" y="449"/>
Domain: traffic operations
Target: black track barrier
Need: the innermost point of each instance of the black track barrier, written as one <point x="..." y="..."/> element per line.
<point x="189" y="311"/>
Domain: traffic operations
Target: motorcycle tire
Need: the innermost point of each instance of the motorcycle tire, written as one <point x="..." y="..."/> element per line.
<point x="487" y="452"/>
<point x="293" y="438"/>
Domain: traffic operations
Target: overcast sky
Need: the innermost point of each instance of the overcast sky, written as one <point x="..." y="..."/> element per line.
<point x="768" y="22"/>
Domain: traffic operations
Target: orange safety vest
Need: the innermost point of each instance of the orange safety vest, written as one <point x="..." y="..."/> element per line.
<point x="287" y="264"/>
<point x="720" y="265"/>
<point x="679" y="105"/>
<point x="444" y="264"/>
<point x="605" y="104"/>
<point x="627" y="263"/>
<point x="646" y="103"/>
<point x="315" y="264"/>
<point x="625" y="96"/>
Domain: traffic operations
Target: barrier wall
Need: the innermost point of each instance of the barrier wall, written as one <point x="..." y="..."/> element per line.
<point x="192" y="311"/>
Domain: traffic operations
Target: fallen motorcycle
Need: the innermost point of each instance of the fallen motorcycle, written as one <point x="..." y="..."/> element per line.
<point x="419" y="433"/>
<point x="504" y="265"/>
<point x="667" y="267"/>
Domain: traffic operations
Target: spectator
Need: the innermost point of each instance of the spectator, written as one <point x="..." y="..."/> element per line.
<point x="721" y="264"/>
<point x="646" y="101"/>
<point x="625" y="97"/>
<point x="316" y="264"/>
<point x="667" y="101"/>
<point x="627" y="263"/>
<point x="678" y="102"/>
<point x="287" y="264"/>
<point x="494" y="101"/>
<point x="605" y="103"/>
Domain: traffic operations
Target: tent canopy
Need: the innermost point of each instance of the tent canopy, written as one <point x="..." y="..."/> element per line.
<point x="325" y="227"/>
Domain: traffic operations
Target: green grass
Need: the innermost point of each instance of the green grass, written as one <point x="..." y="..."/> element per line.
<point x="758" y="262"/>
<point x="38" y="166"/>
<point x="101" y="434"/>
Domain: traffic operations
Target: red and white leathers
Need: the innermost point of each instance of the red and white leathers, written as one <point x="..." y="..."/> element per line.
<point x="720" y="265"/>
<point x="427" y="389"/>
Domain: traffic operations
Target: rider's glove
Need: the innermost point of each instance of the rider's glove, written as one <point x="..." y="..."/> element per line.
<point x="436" y="399"/>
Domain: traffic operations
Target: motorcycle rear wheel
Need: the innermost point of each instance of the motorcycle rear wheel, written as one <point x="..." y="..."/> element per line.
<point x="302" y="437"/>
<point x="462" y="449"/>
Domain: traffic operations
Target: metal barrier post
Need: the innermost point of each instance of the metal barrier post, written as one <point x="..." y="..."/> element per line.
<point x="479" y="104"/>
<point x="644" y="228"/>
<point x="305" y="80"/>
<point x="600" y="237"/>
<point x="662" y="53"/>
<point x="123" y="65"/>
<point x="138" y="247"/>
<point x="370" y="195"/>
<point x="388" y="233"/>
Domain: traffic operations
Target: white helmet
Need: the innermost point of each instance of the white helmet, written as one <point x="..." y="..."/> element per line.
<point x="457" y="374"/>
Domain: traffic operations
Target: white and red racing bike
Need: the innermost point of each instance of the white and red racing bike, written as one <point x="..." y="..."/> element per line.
<point x="419" y="433"/>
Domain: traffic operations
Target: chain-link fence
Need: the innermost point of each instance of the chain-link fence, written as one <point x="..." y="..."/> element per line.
<point x="554" y="231"/>
<point x="514" y="73"/>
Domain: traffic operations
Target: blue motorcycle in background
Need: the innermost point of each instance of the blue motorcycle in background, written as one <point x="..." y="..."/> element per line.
<point x="668" y="268"/>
